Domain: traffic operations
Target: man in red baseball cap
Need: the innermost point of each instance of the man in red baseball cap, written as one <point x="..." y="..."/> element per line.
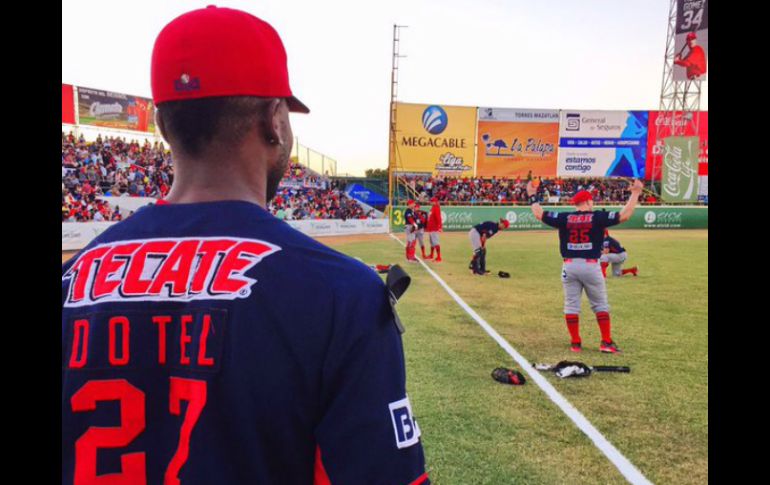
<point x="220" y="344"/>
<point x="435" y="226"/>
<point x="695" y="62"/>
<point x="581" y="237"/>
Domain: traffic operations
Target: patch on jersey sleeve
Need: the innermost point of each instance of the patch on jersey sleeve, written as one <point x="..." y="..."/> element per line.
<point x="167" y="269"/>
<point x="612" y="215"/>
<point x="404" y="425"/>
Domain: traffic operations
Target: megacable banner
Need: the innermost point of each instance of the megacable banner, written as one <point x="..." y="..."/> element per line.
<point x="517" y="142"/>
<point x="115" y="110"/>
<point x="602" y="143"/>
<point x="435" y="139"/>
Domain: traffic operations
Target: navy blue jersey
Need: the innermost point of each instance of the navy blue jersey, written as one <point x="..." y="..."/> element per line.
<point x="581" y="234"/>
<point x="410" y="217"/>
<point x="487" y="228"/>
<point x="613" y="245"/>
<point x="422" y="219"/>
<point x="212" y="343"/>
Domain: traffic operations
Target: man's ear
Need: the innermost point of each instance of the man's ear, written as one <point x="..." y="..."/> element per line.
<point x="273" y="122"/>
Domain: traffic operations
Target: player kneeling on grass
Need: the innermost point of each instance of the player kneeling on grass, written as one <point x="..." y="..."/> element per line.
<point x="615" y="254"/>
<point x="479" y="235"/>
<point x="435" y="226"/>
<point x="581" y="235"/>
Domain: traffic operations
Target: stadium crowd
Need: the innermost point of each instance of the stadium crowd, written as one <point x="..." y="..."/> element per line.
<point x="112" y="166"/>
<point x="501" y="190"/>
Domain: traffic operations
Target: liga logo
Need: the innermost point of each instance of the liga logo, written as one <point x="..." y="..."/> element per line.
<point x="168" y="269"/>
<point x="434" y="120"/>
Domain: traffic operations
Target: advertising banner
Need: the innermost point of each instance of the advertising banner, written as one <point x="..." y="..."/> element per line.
<point x="691" y="41"/>
<point x="680" y="169"/>
<point x="602" y="143"/>
<point x="515" y="142"/>
<point x="462" y="218"/>
<point x="115" y="110"/>
<point x="67" y="104"/>
<point x="660" y="128"/>
<point x="435" y="139"/>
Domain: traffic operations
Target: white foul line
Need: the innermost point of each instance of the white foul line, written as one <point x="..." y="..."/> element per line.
<point x="625" y="467"/>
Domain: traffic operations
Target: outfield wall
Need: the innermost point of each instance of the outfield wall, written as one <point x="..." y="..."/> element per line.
<point x="77" y="235"/>
<point x="462" y="218"/>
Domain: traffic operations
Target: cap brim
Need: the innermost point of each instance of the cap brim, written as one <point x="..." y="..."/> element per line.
<point x="296" y="106"/>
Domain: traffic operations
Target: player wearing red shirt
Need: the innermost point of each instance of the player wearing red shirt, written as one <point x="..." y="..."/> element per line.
<point x="695" y="62"/>
<point x="434" y="227"/>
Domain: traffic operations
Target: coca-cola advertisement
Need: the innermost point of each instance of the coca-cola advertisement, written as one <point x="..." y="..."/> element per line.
<point x="660" y="128"/>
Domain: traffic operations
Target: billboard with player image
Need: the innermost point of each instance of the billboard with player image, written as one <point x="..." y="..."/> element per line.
<point x="691" y="42"/>
<point x="660" y="128"/>
<point x="437" y="139"/>
<point x="602" y="143"/>
<point x="516" y="142"/>
<point x="115" y="110"/>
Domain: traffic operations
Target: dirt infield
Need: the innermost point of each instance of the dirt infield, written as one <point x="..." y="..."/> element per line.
<point x="66" y="255"/>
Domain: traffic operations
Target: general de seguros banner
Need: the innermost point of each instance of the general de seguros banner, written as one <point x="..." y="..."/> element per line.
<point x="517" y="142"/>
<point x="602" y="143"/>
<point x="435" y="138"/>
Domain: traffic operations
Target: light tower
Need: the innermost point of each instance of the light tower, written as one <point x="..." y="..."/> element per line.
<point x="392" y="159"/>
<point x="678" y="93"/>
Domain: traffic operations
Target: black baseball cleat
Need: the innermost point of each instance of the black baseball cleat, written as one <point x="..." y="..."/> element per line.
<point x="609" y="347"/>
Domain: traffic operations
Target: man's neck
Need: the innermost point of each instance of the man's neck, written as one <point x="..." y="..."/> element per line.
<point x="226" y="178"/>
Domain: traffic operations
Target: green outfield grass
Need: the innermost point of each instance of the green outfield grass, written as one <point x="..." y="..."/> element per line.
<point x="476" y="431"/>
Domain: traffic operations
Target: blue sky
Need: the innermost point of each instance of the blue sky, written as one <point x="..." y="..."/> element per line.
<point x="565" y="54"/>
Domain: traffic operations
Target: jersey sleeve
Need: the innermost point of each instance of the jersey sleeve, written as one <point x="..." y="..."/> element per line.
<point x="367" y="432"/>
<point x="608" y="219"/>
<point x="553" y="219"/>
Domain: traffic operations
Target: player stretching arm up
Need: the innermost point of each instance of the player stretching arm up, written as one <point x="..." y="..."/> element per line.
<point x="581" y="234"/>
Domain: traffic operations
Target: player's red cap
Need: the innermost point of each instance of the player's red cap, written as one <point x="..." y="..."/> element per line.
<point x="409" y="202"/>
<point x="434" y="199"/>
<point x="582" y="196"/>
<point x="506" y="223"/>
<point x="692" y="35"/>
<point x="214" y="52"/>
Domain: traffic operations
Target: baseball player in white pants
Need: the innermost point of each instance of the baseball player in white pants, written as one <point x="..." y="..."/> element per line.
<point x="581" y="235"/>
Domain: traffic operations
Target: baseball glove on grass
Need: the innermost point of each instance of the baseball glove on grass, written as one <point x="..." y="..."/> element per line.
<point x="504" y="274"/>
<point x="508" y="376"/>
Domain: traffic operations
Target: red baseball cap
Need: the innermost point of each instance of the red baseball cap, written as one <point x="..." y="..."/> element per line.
<point x="434" y="199"/>
<point x="506" y="223"/>
<point x="410" y="202"/>
<point x="692" y="35"/>
<point x="582" y="196"/>
<point x="214" y="52"/>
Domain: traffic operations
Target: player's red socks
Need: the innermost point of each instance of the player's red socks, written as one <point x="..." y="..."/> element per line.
<point x="431" y="251"/>
<point x="604" y="269"/>
<point x="438" y="253"/>
<point x="573" y="324"/>
<point x="630" y="270"/>
<point x="422" y="248"/>
<point x="603" y="318"/>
